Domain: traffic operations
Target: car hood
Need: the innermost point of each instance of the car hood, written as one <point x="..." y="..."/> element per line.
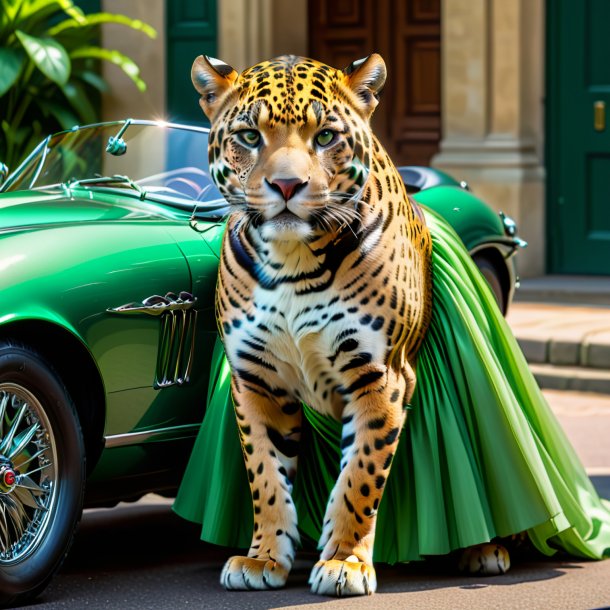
<point x="24" y="210"/>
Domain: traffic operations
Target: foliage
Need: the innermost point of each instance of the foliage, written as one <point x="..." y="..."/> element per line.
<point x="49" y="76"/>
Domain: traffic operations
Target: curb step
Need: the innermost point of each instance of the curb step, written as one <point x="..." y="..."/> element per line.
<point x="573" y="378"/>
<point x="592" y="290"/>
<point x="593" y="353"/>
<point x="566" y="346"/>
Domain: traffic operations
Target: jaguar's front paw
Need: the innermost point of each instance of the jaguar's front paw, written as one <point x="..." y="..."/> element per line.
<point x="485" y="560"/>
<point x="247" y="573"/>
<point x="343" y="578"/>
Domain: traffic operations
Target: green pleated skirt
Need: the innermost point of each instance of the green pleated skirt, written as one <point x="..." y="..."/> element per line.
<point x="481" y="454"/>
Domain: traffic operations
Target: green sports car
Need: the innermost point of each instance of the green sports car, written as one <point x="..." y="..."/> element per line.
<point x="109" y="244"/>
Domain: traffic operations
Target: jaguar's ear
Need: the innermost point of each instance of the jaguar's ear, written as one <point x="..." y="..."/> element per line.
<point x="366" y="77"/>
<point x="213" y="79"/>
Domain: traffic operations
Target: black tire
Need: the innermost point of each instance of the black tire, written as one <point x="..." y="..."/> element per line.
<point x="56" y="473"/>
<point x="493" y="275"/>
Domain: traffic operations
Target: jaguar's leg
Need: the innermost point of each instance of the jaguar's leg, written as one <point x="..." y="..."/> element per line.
<point x="372" y="422"/>
<point x="489" y="559"/>
<point x="269" y="431"/>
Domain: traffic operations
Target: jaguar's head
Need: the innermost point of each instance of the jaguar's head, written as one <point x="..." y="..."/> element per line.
<point x="290" y="141"/>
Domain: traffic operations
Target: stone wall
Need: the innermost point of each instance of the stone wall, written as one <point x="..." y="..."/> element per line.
<point x="493" y="124"/>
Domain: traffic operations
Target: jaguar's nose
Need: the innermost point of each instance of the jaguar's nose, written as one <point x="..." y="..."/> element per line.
<point x="287" y="187"/>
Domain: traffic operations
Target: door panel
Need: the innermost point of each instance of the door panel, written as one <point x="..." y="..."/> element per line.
<point x="407" y="35"/>
<point x="578" y="149"/>
<point x="191" y="31"/>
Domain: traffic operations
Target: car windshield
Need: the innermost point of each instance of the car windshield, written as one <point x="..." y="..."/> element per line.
<point x="167" y="162"/>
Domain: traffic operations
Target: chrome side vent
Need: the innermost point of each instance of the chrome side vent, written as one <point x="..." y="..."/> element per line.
<point x="177" y="336"/>
<point x="176" y="348"/>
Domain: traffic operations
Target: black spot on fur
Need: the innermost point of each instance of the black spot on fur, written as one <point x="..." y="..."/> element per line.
<point x="346" y="441"/>
<point x="376" y="424"/>
<point x="288" y="447"/>
<point x="363" y="381"/>
<point x="291" y="408"/>
<point x="377" y="323"/>
<point x="391" y="437"/>
<point x="359" y="360"/>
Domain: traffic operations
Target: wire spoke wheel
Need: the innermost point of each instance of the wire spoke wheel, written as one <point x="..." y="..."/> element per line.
<point x="42" y="472"/>
<point x="28" y="473"/>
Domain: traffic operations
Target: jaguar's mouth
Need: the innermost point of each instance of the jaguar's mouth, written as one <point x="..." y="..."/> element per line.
<point x="285" y="226"/>
<point x="286" y="216"/>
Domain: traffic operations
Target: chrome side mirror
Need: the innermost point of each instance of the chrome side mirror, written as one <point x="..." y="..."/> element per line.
<point x="3" y="172"/>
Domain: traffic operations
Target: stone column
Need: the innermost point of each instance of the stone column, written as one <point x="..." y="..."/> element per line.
<point x="244" y="32"/>
<point x="250" y="31"/>
<point x="493" y="86"/>
<point x="123" y="99"/>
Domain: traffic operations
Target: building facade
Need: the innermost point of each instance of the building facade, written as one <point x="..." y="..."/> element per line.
<point x="494" y="92"/>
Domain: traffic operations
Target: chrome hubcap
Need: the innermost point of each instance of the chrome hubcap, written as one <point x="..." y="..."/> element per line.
<point x="28" y="473"/>
<point x="8" y="479"/>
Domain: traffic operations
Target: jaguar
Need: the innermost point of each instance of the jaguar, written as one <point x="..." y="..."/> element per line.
<point x="323" y="297"/>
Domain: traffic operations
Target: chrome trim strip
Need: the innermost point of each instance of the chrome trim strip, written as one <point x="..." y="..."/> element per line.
<point x="149" y="436"/>
<point x="156" y="305"/>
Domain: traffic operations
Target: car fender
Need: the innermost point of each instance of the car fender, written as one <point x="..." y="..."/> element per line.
<point x="471" y="218"/>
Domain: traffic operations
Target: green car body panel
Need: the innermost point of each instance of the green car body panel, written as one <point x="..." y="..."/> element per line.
<point x="66" y="261"/>
<point x="471" y="218"/>
<point x="72" y="255"/>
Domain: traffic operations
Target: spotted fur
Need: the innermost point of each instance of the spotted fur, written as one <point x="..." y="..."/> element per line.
<point x="485" y="560"/>
<point x="323" y="297"/>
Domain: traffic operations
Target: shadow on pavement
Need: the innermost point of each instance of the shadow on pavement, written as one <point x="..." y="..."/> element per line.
<point x="142" y="555"/>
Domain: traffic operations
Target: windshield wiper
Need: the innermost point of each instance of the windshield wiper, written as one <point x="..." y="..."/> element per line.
<point x="109" y="180"/>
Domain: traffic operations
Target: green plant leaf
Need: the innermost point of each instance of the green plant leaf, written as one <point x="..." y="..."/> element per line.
<point x="11" y="61"/>
<point x="94" y="19"/>
<point x="48" y="56"/>
<point x="91" y="78"/>
<point x="64" y="117"/>
<point x="77" y="96"/>
<point x="41" y="10"/>
<point x="118" y="59"/>
<point x="10" y="8"/>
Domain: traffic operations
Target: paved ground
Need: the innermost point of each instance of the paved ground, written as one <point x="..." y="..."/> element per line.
<point x="142" y="556"/>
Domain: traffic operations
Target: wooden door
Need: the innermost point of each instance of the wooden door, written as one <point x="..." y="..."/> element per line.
<point x="578" y="137"/>
<point x="407" y="34"/>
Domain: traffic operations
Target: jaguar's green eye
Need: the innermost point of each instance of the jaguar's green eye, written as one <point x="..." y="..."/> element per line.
<point x="249" y="137"/>
<point x="325" y="137"/>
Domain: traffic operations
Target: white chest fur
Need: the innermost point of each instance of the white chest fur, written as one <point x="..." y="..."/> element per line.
<point x="301" y="335"/>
